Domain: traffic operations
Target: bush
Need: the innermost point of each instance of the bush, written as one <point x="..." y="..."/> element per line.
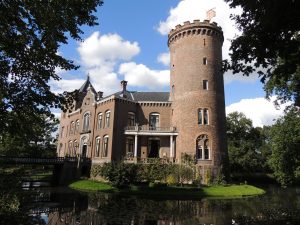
<point x="171" y="180"/>
<point x="119" y="174"/>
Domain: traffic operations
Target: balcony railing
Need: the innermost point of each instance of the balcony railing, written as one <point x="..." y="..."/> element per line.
<point x="150" y="129"/>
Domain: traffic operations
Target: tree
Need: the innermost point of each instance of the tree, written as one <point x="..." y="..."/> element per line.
<point x="285" y="143"/>
<point x="37" y="141"/>
<point x="245" y="144"/>
<point x="269" y="45"/>
<point x="31" y="34"/>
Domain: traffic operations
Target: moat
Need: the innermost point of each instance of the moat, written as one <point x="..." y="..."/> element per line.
<point x="58" y="206"/>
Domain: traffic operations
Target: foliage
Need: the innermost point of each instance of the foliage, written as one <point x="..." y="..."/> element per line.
<point x="9" y="182"/>
<point x="185" y="174"/>
<point x="220" y="178"/>
<point x="247" y="146"/>
<point x="123" y="174"/>
<point x="269" y="44"/>
<point x="119" y="174"/>
<point x="31" y="34"/>
<point x="285" y="142"/>
<point x="37" y="141"/>
<point x="171" y="180"/>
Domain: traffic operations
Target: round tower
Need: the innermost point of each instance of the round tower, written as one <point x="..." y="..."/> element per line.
<point x="197" y="92"/>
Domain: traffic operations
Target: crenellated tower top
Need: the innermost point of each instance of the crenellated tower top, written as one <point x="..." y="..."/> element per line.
<point x="195" y="28"/>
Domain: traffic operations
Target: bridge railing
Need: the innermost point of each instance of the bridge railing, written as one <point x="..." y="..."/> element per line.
<point x="44" y="161"/>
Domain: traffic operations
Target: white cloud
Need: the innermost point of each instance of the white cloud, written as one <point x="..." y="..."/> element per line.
<point x="100" y="55"/>
<point x="97" y="49"/>
<point x="65" y="85"/>
<point x="189" y="10"/>
<point x="140" y="75"/>
<point x="164" y="58"/>
<point x="259" y="110"/>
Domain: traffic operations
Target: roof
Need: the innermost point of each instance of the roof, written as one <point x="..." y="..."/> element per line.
<point x="86" y="85"/>
<point x="143" y="96"/>
<point x="151" y="96"/>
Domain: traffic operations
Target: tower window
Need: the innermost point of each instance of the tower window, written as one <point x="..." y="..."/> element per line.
<point x="205" y="84"/>
<point x="173" y="89"/>
<point x="203" y="148"/>
<point x="204" y="61"/>
<point x="203" y="117"/>
<point x="204" y="42"/>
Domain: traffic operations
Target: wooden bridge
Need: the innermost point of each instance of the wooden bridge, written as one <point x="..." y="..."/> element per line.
<point x="65" y="169"/>
<point x="42" y="161"/>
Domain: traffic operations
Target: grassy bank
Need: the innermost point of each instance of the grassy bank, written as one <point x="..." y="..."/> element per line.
<point x="230" y="191"/>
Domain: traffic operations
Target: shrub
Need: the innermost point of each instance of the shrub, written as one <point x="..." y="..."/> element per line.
<point x="208" y="178"/>
<point x="171" y="180"/>
<point x="119" y="174"/>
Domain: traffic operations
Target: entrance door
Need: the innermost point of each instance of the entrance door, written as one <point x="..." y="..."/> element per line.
<point x="153" y="148"/>
<point x="84" y="150"/>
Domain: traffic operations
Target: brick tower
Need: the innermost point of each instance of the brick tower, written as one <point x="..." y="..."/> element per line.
<point x="197" y="92"/>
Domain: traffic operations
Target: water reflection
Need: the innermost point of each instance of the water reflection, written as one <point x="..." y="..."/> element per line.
<point x="69" y="207"/>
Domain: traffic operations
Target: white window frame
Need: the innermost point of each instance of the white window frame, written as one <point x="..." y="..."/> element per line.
<point x="105" y="146"/>
<point x="86" y="123"/>
<point x="99" y="126"/>
<point x="98" y="147"/>
<point x="107" y="121"/>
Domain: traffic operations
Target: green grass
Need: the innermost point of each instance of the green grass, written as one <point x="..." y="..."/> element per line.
<point x="230" y="191"/>
<point x="90" y="185"/>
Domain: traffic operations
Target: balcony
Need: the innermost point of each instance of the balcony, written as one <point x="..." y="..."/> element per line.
<point x="148" y="130"/>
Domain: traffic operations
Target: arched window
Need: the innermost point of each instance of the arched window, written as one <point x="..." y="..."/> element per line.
<point x="202" y="147"/>
<point x="84" y="147"/>
<point x="72" y="128"/>
<point x="97" y="146"/>
<point x="99" y="123"/>
<point x="70" y="146"/>
<point x="77" y="127"/>
<point x="203" y="116"/>
<point x="204" y="61"/>
<point x="131" y="119"/>
<point x="75" y="148"/>
<point x="107" y="118"/>
<point x="153" y="121"/>
<point x="62" y="131"/>
<point x="86" y="122"/>
<point x="105" y="146"/>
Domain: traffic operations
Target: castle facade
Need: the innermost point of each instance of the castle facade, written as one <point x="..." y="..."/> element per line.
<point x="137" y="126"/>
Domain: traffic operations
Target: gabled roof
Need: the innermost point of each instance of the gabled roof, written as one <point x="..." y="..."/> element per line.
<point x="86" y="85"/>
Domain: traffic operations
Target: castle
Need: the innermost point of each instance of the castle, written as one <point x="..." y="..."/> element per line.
<point x="136" y="126"/>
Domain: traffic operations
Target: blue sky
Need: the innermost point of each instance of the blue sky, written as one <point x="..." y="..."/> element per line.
<point x="130" y="43"/>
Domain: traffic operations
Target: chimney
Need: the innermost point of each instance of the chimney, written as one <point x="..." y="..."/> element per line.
<point x="123" y="85"/>
<point x="99" y="95"/>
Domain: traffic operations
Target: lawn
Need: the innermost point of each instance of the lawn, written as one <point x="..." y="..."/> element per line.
<point x="230" y="191"/>
<point x="90" y="185"/>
